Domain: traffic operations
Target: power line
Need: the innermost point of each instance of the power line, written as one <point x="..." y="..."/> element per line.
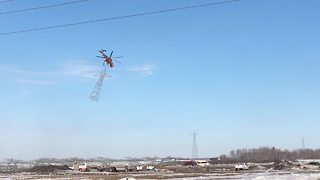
<point x="5" y="1"/>
<point x="41" y="7"/>
<point x="118" y="17"/>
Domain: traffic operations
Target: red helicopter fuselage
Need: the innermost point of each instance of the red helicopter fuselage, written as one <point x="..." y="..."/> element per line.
<point x="107" y="59"/>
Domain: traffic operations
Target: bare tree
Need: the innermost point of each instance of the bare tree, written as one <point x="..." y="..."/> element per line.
<point x="12" y="163"/>
<point x="267" y="154"/>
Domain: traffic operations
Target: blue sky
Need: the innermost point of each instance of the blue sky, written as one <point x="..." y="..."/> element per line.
<point x="243" y="75"/>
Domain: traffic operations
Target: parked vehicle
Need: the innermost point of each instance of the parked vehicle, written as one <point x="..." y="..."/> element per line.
<point x="242" y="166"/>
<point x="83" y="167"/>
<point x="149" y="167"/>
<point x="202" y="163"/>
<point x="139" y="167"/>
<point x="145" y="167"/>
<point x="90" y="166"/>
<point x="121" y="166"/>
<point x="190" y="163"/>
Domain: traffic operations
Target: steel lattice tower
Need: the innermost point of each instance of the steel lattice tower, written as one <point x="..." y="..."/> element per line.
<point x="194" y="147"/>
<point x="302" y="143"/>
<point x="95" y="94"/>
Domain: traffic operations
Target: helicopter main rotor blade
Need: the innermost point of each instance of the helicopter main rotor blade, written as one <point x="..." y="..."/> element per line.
<point x="111" y="53"/>
<point x="117" y="57"/>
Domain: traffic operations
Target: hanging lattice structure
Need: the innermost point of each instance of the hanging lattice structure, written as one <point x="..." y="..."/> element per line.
<point x="95" y="94"/>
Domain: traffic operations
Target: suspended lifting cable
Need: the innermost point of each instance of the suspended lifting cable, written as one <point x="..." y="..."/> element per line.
<point x="118" y="17"/>
<point x="5" y="1"/>
<point x="41" y="7"/>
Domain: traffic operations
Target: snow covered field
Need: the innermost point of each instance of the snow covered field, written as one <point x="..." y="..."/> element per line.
<point x="260" y="176"/>
<point x="279" y="175"/>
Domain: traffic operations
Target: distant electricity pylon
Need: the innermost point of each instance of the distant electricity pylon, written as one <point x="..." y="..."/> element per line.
<point x="194" y="147"/>
<point x="302" y="143"/>
<point x="95" y="94"/>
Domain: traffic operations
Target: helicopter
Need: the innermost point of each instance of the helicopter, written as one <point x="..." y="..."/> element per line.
<point x="108" y="59"/>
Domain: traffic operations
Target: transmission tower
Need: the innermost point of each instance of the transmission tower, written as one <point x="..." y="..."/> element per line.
<point x="95" y="94"/>
<point x="194" y="147"/>
<point x="302" y="143"/>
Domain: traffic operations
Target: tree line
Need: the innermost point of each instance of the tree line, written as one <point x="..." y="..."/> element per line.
<point x="270" y="154"/>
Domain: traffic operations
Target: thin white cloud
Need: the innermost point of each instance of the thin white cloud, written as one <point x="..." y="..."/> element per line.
<point x="35" y="82"/>
<point x="143" y="70"/>
<point x="80" y="70"/>
<point x="14" y="73"/>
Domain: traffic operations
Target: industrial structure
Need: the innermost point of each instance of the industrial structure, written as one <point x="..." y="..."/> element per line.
<point x="95" y="94"/>
<point x="195" y="153"/>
